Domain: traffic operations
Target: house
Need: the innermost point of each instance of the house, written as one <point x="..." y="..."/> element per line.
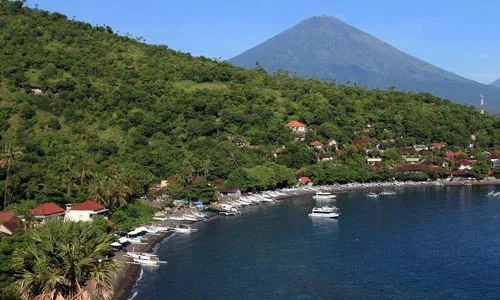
<point x="48" y="212"/>
<point x="373" y="160"/>
<point x="331" y="143"/>
<point x="411" y="160"/>
<point x="304" y="180"/>
<point x="299" y="136"/>
<point x="85" y="211"/>
<point x="36" y="89"/>
<point x="232" y="193"/>
<point x="464" y="164"/>
<point x="325" y="157"/>
<point x="169" y="180"/>
<point x="8" y="223"/>
<point x="419" y="148"/>
<point x="405" y="168"/>
<point x="361" y="142"/>
<point x="296" y="126"/>
<point x="316" y="145"/>
<point x="437" y="146"/>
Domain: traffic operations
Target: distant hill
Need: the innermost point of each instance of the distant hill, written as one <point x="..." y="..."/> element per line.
<point x="496" y="83"/>
<point x="327" y="48"/>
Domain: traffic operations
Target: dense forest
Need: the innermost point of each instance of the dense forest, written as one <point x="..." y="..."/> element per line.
<point x="85" y="112"/>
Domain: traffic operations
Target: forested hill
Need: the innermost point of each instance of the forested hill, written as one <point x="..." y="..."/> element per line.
<point x="84" y="110"/>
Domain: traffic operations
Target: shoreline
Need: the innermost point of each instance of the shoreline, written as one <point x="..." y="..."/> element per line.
<point x="126" y="278"/>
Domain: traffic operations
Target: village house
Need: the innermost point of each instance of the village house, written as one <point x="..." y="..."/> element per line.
<point x="419" y="148"/>
<point x="411" y="160"/>
<point x="304" y="180"/>
<point x="464" y="164"/>
<point x="296" y="126"/>
<point x="8" y="223"/>
<point x="437" y="146"/>
<point x="325" y="157"/>
<point x="36" y="89"/>
<point x="332" y="144"/>
<point x="373" y="160"/>
<point x="85" y="211"/>
<point x="316" y="145"/>
<point x="166" y="182"/>
<point x="231" y="193"/>
<point x="47" y="212"/>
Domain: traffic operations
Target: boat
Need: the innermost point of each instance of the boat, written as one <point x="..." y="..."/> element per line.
<point x="231" y="212"/>
<point x="325" y="212"/>
<point x="324" y="196"/>
<point x="493" y="194"/>
<point x="148" y="260"/>
<point x="387" y="193"/>
<point x="176" y="218"/>
<point x="184" y="229"/>
<point x="190" y="218"/>
<point x="372" y="195"/>
<point x="137" y="240"/>
<point x="159" y="228"/>
<point x="139" y="254"/>
<point x="160" y="218"/>
<point x="199" y="214"/>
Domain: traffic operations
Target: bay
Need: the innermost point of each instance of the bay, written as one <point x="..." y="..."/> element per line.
<point x="422" y="243"/>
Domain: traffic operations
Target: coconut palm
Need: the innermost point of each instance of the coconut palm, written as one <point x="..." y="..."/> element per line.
<point x="64" y="260"/>
<point x="8" y="157"/>
<point x="109" y="188"/>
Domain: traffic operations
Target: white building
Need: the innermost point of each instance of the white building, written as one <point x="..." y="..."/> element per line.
<point x="85" y="211"/>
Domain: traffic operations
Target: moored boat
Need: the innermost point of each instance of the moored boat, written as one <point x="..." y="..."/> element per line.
<point x="325" y="212"/>
<point x="184" y="229"/>
<point x="324" y="196"/>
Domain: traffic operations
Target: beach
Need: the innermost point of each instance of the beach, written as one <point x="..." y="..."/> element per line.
<point x="127" y="277"/>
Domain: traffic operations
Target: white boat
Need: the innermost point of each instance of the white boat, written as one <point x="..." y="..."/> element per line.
<point x="148" y="260"/>
<point x="190" y="218"/>
<point x="176" y="218"/>
<point x="372" y="195"/>
<point x="493" y="194"/>
<point x="159" y="228"/>
<point x="325" y="212"/>
<point x="140" y="255"/>
<point x="387" y="193"/>
<point x="137" y="240"/>
<point x="199" y="214"/>
<point x="324" y="196"/>
<point x="160" y="218"/>
<point x="184" y="229"/>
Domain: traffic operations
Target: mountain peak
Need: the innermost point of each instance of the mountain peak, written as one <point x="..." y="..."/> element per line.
<point x="496" y="83"/>
<point x="325" y="47"/>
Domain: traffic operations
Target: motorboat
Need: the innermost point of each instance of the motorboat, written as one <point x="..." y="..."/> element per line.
<point x="387" y="193"/>
<point x="184" y="229"/>
<point x="325" y="212"/>
<point x="176" y="218"/>
<point x="372" y="195"/>
<point x="324" y="196"/>
<point x="493" y="194"/>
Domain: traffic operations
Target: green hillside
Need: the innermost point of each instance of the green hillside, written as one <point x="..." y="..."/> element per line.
<point x="113" y="115"/>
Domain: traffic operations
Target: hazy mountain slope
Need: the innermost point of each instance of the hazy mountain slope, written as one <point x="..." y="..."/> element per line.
<point x="327" y="48"/>
<point x="496" y="83"/>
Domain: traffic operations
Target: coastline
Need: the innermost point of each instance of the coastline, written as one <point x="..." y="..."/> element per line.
<point x="125" y="280"/>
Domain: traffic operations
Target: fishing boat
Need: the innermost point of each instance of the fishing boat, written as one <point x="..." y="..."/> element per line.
<point x="188" y="217"/>
<point x="148" y="260"/>
<point x="176" y="218"/>
<point x="372" y="195"/>
<point x="140" y="255"/>
<point x="324" y="196"/>
<point x="325" y="212"/>
<point x="159" y="228"/>
<point x="184" y="229"/>
<point x="387" y="193"/>
<point x="137" y="240"/>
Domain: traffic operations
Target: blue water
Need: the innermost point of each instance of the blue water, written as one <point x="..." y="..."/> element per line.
<point x="423" y="243"/>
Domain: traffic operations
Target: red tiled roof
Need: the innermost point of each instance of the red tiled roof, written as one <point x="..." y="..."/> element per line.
<point x="324" y="155"/>
<point x="12" y="225"/>
<point x="464" y="162"/>
<point x="6" y="216"/>
<point x="316" y="143"/>
<point x="46" y="209"/>
<point x="295" y="124"/>
<point x="171" y="178"/>
<point x="88" y="205"/>
<point x="304" y="180"/>
<point x="409" y="168"/>
<point x="218" y="182"/>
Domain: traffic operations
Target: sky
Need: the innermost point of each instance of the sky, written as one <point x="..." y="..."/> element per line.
<point x="459" y="36"/>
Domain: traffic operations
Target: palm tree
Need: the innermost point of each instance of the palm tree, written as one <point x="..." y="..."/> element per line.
<point x="8" y="157"/>
<point x="110" y="188"/>
<point x="61" y="258"/>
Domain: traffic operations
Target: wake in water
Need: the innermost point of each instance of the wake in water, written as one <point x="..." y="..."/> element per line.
<point x="135" y="285"/>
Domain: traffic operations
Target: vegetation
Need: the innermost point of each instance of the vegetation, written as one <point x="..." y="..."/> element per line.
<point x="60" y="259"/>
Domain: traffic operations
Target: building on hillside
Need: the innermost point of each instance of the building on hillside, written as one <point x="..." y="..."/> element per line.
<point x="325" y="157"/>
<point x="231" y="193"/>
<point x="36" y="89"/>
<point x="437" y="146"/>
<point x="47" y="212"/>
<point x="85" y="211"/>
<point x="316" y="145"/>
<point x="464" y="164"/>
<point x="373" y="160"/>
<point x="304" y="180"/>
<point x="9" y="224"/>
<point x="169" y="180"/>
<point x="411" y="160"/>
<point x="419" y="148"/>
<point x="332" y="144"/>
<point x="296" y="126"/>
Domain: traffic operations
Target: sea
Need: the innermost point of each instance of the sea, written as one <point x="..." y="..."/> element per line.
<point x="421" y="243"/>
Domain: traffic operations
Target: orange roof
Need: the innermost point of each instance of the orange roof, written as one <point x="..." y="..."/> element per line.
<point x="304" y="180"/>
<point x="6" y="216"/>
<point x="46" y="209"/>
<point x="88" y="205"/>
<point x="316" y="143"/>
<point x="294" y="124"/>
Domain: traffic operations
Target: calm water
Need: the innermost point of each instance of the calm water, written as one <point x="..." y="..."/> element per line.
<point x="423" y="243"/>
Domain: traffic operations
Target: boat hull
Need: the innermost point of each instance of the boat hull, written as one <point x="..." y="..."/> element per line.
<point x="331" y="215"/>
